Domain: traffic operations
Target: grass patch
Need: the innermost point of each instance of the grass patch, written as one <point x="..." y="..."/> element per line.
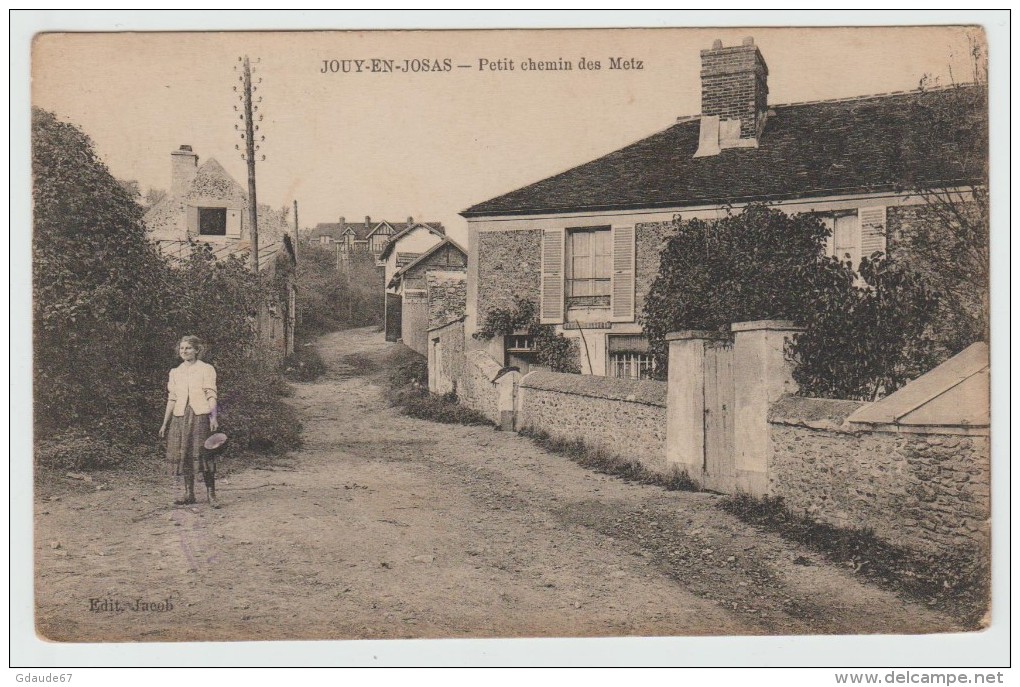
<point x="305" y="364"/>
<point x="600" y="460"/>
<point x="409" y="390"/>
<point x="959" y="583"/>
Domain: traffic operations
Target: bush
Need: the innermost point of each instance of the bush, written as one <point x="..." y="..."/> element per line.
<point x="755" y="265"/>
<point x="330" y="299"/>
<point x="305" y="364"/>
<point x="863" y="342"/>
<point x="77" y="450"/>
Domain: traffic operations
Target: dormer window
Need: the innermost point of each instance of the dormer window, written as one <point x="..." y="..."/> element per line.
<point x="212" y="221"/>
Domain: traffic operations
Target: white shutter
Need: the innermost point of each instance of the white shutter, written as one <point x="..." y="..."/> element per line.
<point x="872" y="230"/>
<point x="233" y="223"/>
<point x="622" y="279"/>
<point x="191" y="218"/>
<point x="552" y="276"/>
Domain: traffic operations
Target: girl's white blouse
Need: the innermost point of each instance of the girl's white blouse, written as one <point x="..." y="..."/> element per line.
<point x="193" y="385"/>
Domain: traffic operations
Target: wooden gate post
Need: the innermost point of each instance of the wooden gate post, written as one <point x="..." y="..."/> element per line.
<point x="685" y="401"/>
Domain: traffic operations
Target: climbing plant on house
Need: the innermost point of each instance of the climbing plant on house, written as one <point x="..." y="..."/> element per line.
<point x="553" y="350"/>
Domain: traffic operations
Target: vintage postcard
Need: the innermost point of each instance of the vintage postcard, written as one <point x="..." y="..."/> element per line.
<point x="511" y="333"/>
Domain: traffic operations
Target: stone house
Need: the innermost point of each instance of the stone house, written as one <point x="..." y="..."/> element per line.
<point x="205" y="205"/>
<point x="584" y="245"/>
<point x="403" y="248"/>
<point x="429" y="289"/>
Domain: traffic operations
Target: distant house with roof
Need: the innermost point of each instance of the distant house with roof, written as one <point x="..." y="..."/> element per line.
<point x="404" y="247"/>
<point x="206" y="206"/>
<point x="348" y="238"/>
<point x="443" y="267"/>
<point x="584" y="245"/>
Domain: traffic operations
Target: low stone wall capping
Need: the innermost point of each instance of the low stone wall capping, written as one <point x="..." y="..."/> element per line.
<point x="646" y="392"/>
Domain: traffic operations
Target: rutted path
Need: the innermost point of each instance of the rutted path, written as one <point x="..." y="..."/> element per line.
<point x="389" y="526"/>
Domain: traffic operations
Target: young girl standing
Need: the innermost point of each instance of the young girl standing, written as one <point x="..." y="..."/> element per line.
<point x="190" y="417"/>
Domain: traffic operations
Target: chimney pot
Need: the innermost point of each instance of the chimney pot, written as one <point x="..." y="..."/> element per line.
<point x="186" y="147"/>
<point x="734" y="87"/>
<point x="410" y="220"/>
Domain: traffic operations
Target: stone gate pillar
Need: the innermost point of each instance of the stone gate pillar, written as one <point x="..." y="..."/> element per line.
<point x="761" y="374"/>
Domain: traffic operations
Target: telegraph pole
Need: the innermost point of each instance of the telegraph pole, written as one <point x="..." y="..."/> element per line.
<point x="297" y="238"/>
<point x="249" y="144"/>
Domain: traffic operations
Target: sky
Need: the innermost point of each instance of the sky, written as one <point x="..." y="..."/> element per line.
<point x="430" y="144"/>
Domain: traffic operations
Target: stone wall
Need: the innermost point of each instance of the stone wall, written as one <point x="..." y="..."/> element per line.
<point x="625" y="417"/>
<point x="447" y="295"/>
<point x="475" y="387"/>
<point x="446" y="357"/>
<point x="509" y="265"/>
<point x="651" y="239"/>
<point x="929" y="492"/>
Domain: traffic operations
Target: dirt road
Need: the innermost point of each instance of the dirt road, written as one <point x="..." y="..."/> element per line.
<point x="388" y="526"/>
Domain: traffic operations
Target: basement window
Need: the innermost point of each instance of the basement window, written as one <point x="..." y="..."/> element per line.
<point x="629" y="357"/>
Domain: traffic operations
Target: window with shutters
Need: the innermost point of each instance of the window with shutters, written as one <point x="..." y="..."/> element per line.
<point x="212" y="221"/>
<point x="588" y="267"/>
<point x="855" y="234"/>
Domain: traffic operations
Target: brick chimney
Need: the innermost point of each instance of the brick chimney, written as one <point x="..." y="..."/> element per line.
<point x="368" y="222"/>
<point x="410" y="220"/>
<point x="734" y="97"/>
<point x="183" y="168"/>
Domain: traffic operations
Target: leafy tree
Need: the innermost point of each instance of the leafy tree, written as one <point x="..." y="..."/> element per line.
<point x="949" y="240"/>
<point x="758" y="264"/>
<point x="329" y="298"/>
<point x="864" y="340"/>
<point x="95" y="322"/>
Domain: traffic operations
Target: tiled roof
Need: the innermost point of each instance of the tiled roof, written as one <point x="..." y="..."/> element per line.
<point x="434" y="227"/>
<point x="839" y="147"/>
<point x="418" y="258"/>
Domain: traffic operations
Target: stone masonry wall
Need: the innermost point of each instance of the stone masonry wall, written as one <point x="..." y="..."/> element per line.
<point x="447" y="295"/>
<point x="929" y="492"/>
<point x="509" y="264"/>
<point x="474" y="386"/>
<point x="625" y="417"/>
<point x="651" y="239"/>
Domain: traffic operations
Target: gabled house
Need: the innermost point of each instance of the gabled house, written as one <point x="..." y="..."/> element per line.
<point x="444" y="262"/>
<point x="584" y="245"/>
<point x="403" y="248"/>
<point x="348" y="238"/>
<point x="205" y="205"/>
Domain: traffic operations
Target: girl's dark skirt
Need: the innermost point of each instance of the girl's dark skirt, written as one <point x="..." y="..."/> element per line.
<point x="185" y="446"/>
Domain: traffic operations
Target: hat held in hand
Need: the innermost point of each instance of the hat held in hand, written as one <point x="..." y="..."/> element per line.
<point x="215" y="441"/>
